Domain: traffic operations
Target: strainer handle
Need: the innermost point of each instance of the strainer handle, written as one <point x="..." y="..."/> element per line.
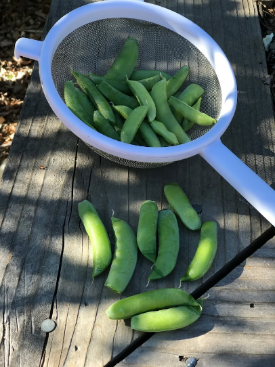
<point x="28" y="48"/>
<point x="256" y="191"/>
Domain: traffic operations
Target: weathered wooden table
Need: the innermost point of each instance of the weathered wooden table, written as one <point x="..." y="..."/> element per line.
<point x="46" y="264"/>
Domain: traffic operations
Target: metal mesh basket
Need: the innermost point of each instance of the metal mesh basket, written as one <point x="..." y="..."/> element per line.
<point x="94" y="46"/>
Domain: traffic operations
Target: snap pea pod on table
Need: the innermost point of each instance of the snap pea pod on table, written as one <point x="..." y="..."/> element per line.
<point x="181" y="205"/>
<point x="147" y="229"/>
<point x="101" y="247"/>
<point x="125" y="256"/>
<point x="150" y="301"/>
<point x="167" y="319"/>
<point x="168" y="245"/>
<point x="125" y="62"/>
<point x="205" y="253"/>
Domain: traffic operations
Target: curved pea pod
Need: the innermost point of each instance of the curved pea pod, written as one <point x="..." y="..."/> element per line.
<point x="189" y="95"/>
<point x="168" y="319"/>
<point x="181" y="206"/>
<point x="125" y="256"/>
<point x="168" y="241"/>
<point x="190" y="113"/>
<point x="174" y="83"/>
<point x="147" y="230"/>
<point x="72" y="100"/>
<point x="164" y="113"/>
<point x="116" y="96"/>
<point x="144" y="98"/>
<point x="120" y="85"/>
<point x="205" y="253"/>
<point x="160" y="129"/>
<point x="186" y="124"/>
<point x="101" y="247"/>
<point x="99" y="101"/>
<point x="150" y="82"/>
<point x="144" y="74"/>
<point x="132" y="124"/>
<point x="104" y="127"/>
<point x="125" y="62"/>
<point x="150" y="301"/>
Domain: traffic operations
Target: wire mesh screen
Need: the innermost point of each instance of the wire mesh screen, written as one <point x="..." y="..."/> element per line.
<point x="94" y="46"/>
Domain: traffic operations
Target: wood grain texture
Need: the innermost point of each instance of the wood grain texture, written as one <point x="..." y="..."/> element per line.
<point x="46" y="258"/>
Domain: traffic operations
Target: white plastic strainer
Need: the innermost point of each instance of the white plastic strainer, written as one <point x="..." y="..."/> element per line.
<point x="89" y="38"/>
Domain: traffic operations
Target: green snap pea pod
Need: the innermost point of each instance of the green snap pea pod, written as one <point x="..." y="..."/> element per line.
<point x="132" y="124"/>
<point x="168" y="319"/>
<point x="182" y="207"/>
<point x="164" y="113"/>
<point x="190" y="95"/>
<point x="116" y="96"/>
<point x="168" y="241"/>
<point x="149" y="301"/>
<point x="186" y="124"/>
<point x="104" y="127"/>
<point x="145" y="132"/>
<point x="101" y="247"/>
<point x="205" y="253"/>
<point x="174" y="83"/>
<point x="120" y="85"/>
<point x="150" y="82"/>
<point x="144" y="98"/>
<point x="149" y="135"/>
<point x="72" y="101"/>
<point x="190" y="113"/>
<point x="125" y="256"/>
<point x="125" y="62"/>
<point x="160" y="129"/>
<point x="147" y="230"/>
<point x="144" y="74"/>
<point x="95" y="96"/>
<point x="163" y="142"/>
<point x="85" y="103"/>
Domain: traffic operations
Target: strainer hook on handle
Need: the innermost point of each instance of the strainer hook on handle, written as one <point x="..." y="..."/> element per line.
<point x="256" y="191"/>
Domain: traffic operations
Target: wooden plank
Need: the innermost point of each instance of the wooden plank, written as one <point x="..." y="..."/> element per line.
<point x="47" y="259"/>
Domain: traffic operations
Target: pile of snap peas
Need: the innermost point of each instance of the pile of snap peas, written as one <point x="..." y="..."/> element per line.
<point x="141" y="107"/>
<point x="157" y="238"/>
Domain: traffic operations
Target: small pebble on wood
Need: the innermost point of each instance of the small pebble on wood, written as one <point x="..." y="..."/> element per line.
<point x="48" y="325"/>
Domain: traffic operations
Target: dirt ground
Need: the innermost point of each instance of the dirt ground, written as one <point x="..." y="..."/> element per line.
<point x="18" y="18"/>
